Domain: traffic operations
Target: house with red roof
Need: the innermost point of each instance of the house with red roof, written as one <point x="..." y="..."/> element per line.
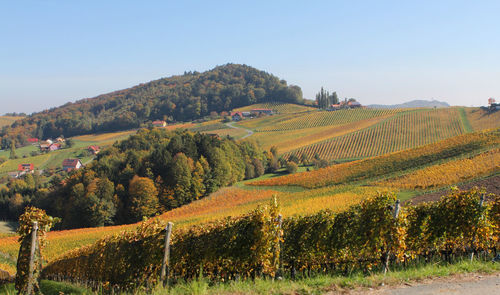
<point x="236" y="116"/>
<point x="159" y="123"/>
<point x="94" y="149"/>
<point x="71" y="164"/>
<point x="33" y="140"/>
<point x="26" y="167"/>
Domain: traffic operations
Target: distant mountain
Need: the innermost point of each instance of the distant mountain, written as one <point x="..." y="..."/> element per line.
<point x="177" y="98"/>
<point x="412" y="104"/>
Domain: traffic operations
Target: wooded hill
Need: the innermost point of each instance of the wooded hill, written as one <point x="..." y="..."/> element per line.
<point x="177" y="98"/>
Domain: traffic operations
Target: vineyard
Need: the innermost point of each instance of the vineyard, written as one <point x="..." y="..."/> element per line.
<point x="399" y="132"/>
<point x="448" y="173"/>
<point x="368" y="236"/>
<point x="326" y="118"/>
<point x="389" y="163"/>
<point x="481" y="119"/>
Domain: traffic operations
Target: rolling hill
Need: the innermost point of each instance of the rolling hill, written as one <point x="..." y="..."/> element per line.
<point x="177" y="98"/>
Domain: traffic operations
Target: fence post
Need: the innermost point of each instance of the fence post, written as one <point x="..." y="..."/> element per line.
<point x="395" y="214"/>
<point x="32" y="257"/>
<point x="165" y="268"/>
<point x="481" y="203"/>
<point x="278" y="248"/>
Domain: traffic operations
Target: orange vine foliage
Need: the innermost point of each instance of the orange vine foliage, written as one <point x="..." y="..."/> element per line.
<point x="394" y="162"/>
<point x="448" y="173"/>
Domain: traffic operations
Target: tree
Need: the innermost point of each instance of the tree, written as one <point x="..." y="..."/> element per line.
<point x="13" y="150"/>
<point x="144" y="197"/>
<point x="324" y="99"/>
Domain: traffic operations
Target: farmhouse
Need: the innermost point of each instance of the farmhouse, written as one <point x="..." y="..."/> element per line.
<point x="60" y="139"/>
<point x="159" y="123"/>
<point x="27" y="167"/>
<point x="71" y="164"/>
<point x="54" y="147"/>
<point x="93" y="149"/>
<point x="33" y="140"/>
<point x="236" y="116"/>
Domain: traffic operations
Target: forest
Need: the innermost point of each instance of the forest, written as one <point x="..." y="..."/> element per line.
<point x="149" y="173"/>
<point x="178" y="98"/>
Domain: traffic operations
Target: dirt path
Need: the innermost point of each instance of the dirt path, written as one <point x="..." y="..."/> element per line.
<point x="469" y="284"/>
<point x="249" y="132"/>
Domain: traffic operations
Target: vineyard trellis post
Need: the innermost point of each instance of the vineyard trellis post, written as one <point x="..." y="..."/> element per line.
<point x="32" y="257"/>
<point x="481" y="203"/>
<point x="395" y="214"/>
<point x="278" y="274"/>
<point x="165" y="267"/>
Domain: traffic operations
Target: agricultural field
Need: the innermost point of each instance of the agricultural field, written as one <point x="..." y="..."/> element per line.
<point x="481" y="119"/>
<point x="401" y="131"/>
<point x="8" y="120"/>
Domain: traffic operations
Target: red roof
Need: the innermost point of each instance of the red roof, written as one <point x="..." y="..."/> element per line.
<point x="94" y="148"/>
<point x="237" y="113"/>
<point x="32" y="139"/>
<point x="24" y="167"/>
<point x="70" y="163"/>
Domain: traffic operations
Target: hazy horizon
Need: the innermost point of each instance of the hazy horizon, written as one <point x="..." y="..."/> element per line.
<point x="386" y="52"/>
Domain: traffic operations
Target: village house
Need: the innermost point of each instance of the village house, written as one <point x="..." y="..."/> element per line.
<point x="27" y="167"/>
<point x="55" y="147"/>
<point x="236" y="116"/>
<point x="159" y="123"/>
<point x="93" y="149"/>
<point x="60" y="139"/>
<point x="71" y="164"/>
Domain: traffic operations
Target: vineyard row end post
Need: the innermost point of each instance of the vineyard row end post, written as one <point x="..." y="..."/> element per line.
<point x="481" y="203"/>
<point x="387" y="253"/>
<point x="32" y="257"/>
<point x="165" y="267"/>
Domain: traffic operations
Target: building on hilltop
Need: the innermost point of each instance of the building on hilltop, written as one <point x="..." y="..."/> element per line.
<point x="71" y="164"/>
<point x="159" y="123"/>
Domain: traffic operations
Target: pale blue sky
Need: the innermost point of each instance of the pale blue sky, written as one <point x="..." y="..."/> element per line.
<point x="52" y="52"/>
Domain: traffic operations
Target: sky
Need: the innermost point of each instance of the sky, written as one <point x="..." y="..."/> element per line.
<point x="379" y="52"/>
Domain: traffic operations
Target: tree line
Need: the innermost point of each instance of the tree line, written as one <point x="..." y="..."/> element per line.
<point x="178" y="98"/>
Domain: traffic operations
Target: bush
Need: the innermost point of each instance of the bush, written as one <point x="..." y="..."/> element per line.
<point x="291" y="167"/>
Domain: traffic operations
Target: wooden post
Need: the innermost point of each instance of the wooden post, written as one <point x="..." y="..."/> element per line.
<point x="278" y="249"/>
<point x="32" y="257"/>
<point x="395" y="214"/>
<point x="165" y="268"/>
<point x="481" y="203"/>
